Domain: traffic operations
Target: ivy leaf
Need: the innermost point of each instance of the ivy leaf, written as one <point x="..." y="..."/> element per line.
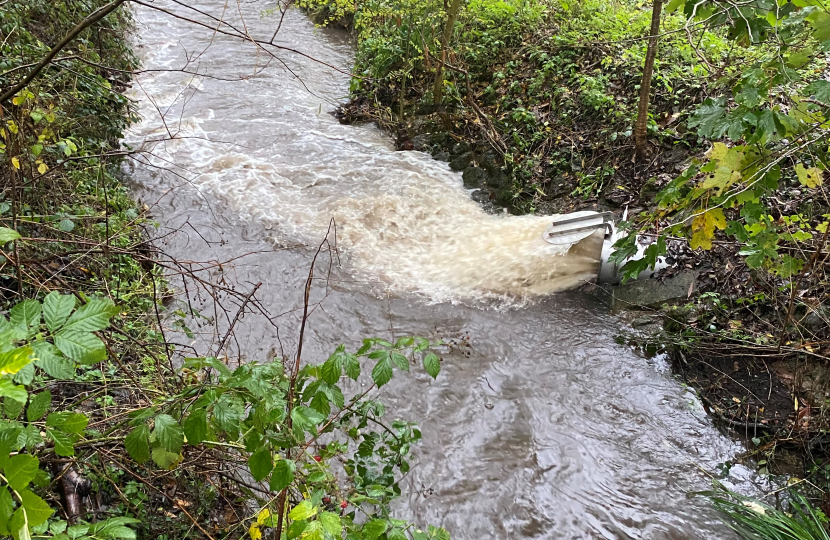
<point x="260" y="464"/>
<point x="7" y="235"/>
<point x="38" y="405"/>
<point x="20" y="470"/>
<point x="56" y="309"/>
<point x="168" y="433"/>
<point x="304" y="510"/>
<point x="63" y="444"/>
<point x="432" y="364"/>
<point x="83" y="347"/>
<point x="808" y="177"/>
<point x="70" y="422"/>
<point x="282" y="475"/>
<point x="92" y="316"/>
<point x="137" y="444"/>
<point x="195" y="426"/>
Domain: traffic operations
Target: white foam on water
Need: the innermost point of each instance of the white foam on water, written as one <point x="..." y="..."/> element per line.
<point x="269" y="151"/>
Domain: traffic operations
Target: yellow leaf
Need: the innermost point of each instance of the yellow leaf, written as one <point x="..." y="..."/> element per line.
<point x="263" y="515"/>
<point x="808" y="177"/>
<point x="700" y="240"/>
<point x="703" y="228"/>
<point x="718" y="151"/>
<point x="822" y="227"/>
<point x="16" y="162"/>
<point x="12" y="126"/>
<point x="42" y="168"/>
<point x="254" y="531"/>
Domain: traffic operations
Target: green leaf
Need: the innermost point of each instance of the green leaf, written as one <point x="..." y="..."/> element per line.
<point x="375" y="528"/>
<point x="6" y="509"/>
<point x="38" y="406"/>
<point x="306" y="418"/>
<point x="811" y="178"/>
<point x="20" y="470"/>
<point x="56" y="309"/>
<point x="16" y="359"/>
<point x="331" y="523"/>
<point x="12" y="408"/>
<point x="50" y="359"/>
<point x="432" y="364"/>
<point x="304" y="510"/>
<point x="382" y="372"/>
<point x="821" y="26"/>
<point x="330" y="372"/>
<point x="83" y="347"/>
<point x="70" y="422"/>
<point x="137" y="443"/>
<point x="19" y="529"/>
<point x="709" y="118"/>
<point x="396" y="534"/>
<point x="16" y="392"/>
<point x="352" y="366"/>
<point x="164" y="459"/>
<point x="76" y="531"/>
<point x="788" y="266"/>
<point x="400" y="360"/>
<point x="260" y="464"/>
<point x="7" y="235"/>
<point x="282" y="475"/>
<point x="26" y="315"/>
<point x="168" y="433"/>
<point x="195" y="427"/>
<point x="92" y="316"/>
<point x="37" y="511"/>
<point x="63" y="444"/>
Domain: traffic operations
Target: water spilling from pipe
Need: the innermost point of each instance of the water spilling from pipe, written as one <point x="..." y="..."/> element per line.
<point x="539" y="426"/>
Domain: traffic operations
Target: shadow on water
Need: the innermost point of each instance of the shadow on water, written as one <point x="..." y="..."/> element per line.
<point x="539" y="425"/>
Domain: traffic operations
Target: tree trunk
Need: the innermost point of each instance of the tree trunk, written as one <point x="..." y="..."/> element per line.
<point x="438" y="87"/>
<point x="641" y="127"/>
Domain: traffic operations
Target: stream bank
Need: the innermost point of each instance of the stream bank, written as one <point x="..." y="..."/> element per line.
<point x="536" y="115"/>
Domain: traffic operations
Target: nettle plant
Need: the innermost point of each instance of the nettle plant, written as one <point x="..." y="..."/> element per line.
<point x="773" y="127"/>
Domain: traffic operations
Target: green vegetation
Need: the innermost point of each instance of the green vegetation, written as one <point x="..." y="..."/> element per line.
<point x="543" y="96"/>
<point x="753" y="520"/>
<point x="102" y="436"/>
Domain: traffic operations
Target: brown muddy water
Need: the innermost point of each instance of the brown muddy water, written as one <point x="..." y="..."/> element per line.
<point x="539" y="425"/>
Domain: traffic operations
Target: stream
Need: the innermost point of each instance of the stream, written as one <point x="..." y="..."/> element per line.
<point x="539" y="425"/>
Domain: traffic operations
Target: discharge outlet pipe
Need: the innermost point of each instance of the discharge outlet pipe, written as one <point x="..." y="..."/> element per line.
<point x="593" y="234"/>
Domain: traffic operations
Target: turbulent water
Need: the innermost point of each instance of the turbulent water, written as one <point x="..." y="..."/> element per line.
<point x="539" y="425"/>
